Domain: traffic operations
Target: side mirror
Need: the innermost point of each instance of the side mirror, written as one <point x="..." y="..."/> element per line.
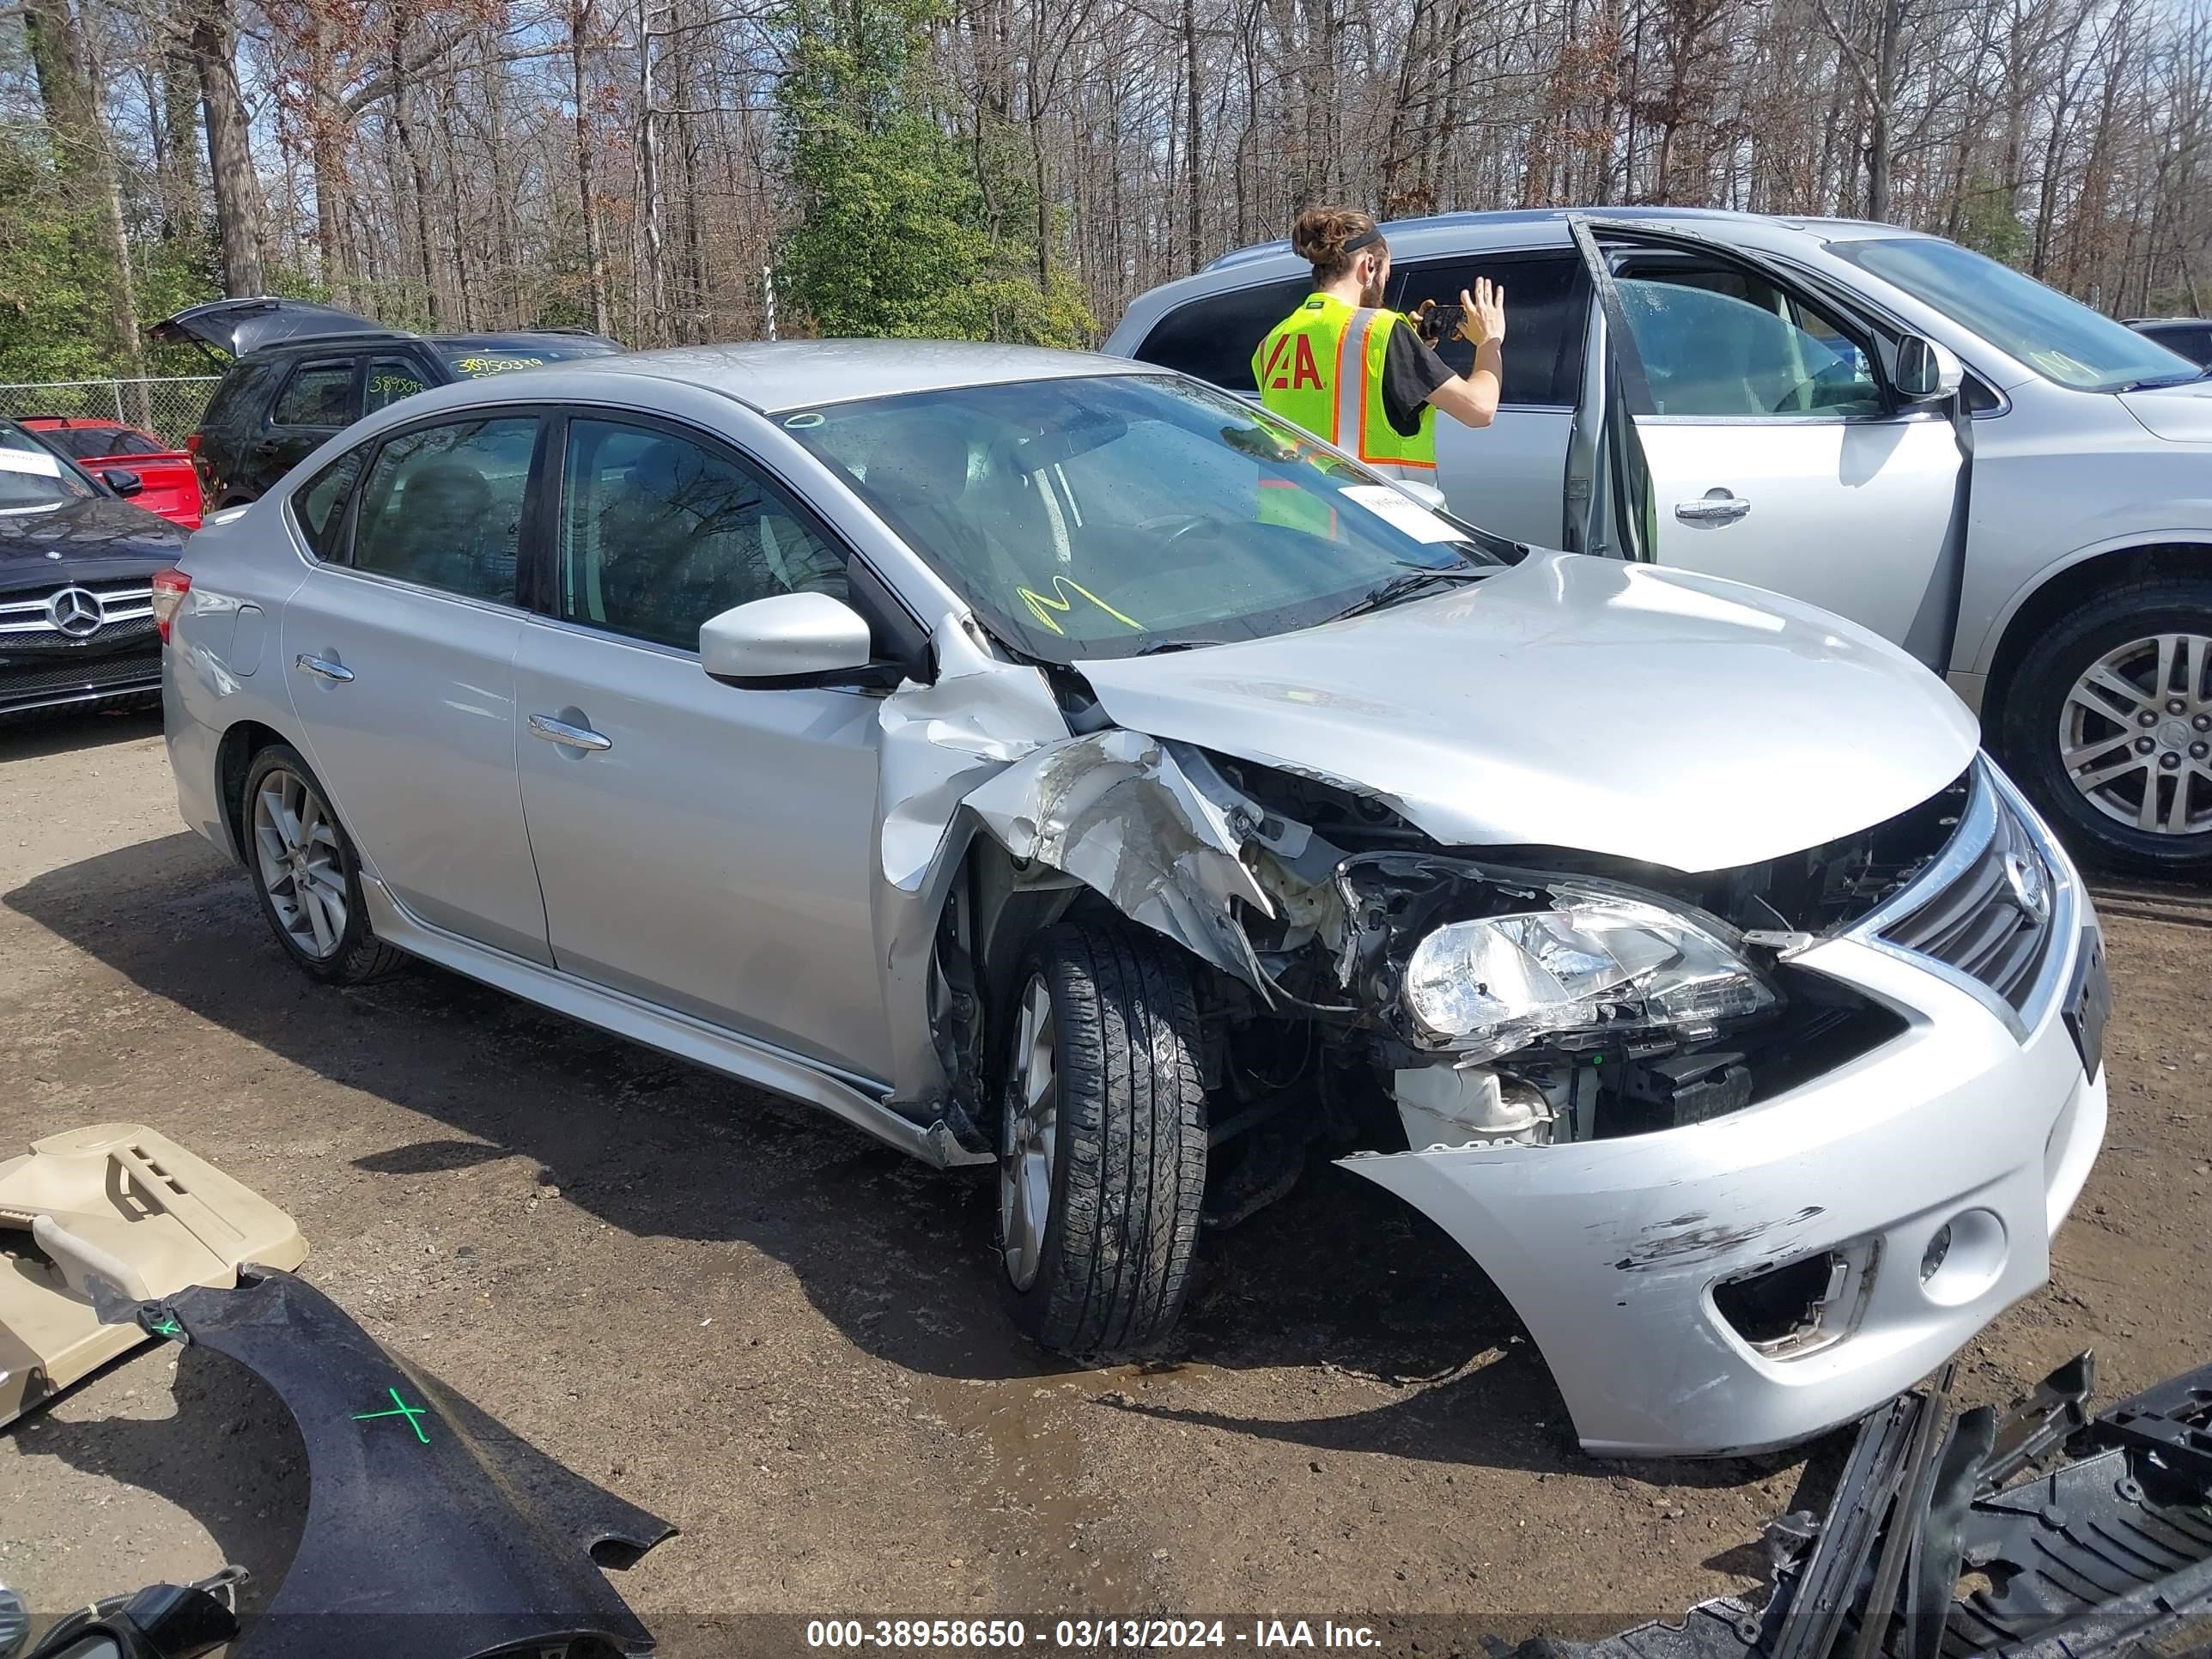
<point x="786" y="639"/>
<point x="1927" y="373"/>
<point x="122" y="483"/>
<point x="1426" y="493"/>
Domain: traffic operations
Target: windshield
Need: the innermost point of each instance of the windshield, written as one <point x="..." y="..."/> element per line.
<point x="33" y="478"/>
<point x="2059" y="338"/>
<point x="1107" y="516"/>
<point x="478" y="358"/>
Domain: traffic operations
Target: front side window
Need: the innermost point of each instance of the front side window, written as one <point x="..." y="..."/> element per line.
<point x="319" y="506"/>
<point x="1546" y="307"/>
<point x="317" y="394"/>
<point x="1716" y="341"/>
<point x="659" y="533"/>
<point x="2059" y="338"/>
<point x="391" y="378"/>
<point x="442" y="507"/>
<point x="1110" y="516"/>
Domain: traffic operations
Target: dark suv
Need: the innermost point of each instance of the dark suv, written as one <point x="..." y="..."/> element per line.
<point x="299" y="372"/>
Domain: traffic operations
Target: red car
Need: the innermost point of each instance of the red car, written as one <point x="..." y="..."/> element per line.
<point x="168" y="485"/>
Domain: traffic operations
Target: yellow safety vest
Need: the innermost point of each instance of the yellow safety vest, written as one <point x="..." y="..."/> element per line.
<point x="1321" y="367"/>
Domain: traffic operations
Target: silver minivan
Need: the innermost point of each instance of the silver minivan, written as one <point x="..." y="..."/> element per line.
<point x="2009" y="486"/>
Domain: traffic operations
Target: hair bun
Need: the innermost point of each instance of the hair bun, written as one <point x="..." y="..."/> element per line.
<point x="1321" y="233"/>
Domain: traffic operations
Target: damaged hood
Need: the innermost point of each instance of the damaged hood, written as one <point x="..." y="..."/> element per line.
<point x="1579" y="702"/>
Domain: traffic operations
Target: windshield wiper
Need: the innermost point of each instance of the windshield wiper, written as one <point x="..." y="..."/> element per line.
<point x="1160" y="648"/>
<point x="1405" y="586"/>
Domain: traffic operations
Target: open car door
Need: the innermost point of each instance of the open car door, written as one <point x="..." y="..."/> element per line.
<point x="1746" y="421"/>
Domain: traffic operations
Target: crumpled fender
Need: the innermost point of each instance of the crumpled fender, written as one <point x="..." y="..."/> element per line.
<point x="432" y="1528"/>
<point x="1150" y="825"/>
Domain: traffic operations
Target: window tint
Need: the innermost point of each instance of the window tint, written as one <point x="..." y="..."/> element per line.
<point x="1546" y="311"/>
<point x="391" y="378"/>
<point x="661" y="533"/>
<point x="443" y="506"/>
<point x="91" y="443"/>
<point x="1720" y="342"/>
<point x="317" y="394"/>
<point x="320" y="506"/>
<point x="1214" y="338"/>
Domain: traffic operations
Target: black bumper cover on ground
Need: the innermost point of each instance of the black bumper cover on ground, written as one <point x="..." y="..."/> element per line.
<point x="432" y="1529"/>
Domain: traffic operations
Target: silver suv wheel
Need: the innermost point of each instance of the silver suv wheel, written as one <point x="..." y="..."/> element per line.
<point x="296" y="844"/>
<point x="2136" y="734"/>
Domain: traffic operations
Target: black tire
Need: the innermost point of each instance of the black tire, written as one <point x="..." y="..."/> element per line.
<point x="2028" y="729"/>
<point x="1129" y="1171"/>
<point x="358" y="955"/>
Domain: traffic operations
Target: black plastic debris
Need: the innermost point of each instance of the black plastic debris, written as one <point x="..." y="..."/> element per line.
<point x="2039" y="1535"/>
<point x="432" y="1530"/>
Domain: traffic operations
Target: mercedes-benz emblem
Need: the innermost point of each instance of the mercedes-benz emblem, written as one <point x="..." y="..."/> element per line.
<point x="75" y="612"/>
<point x="2031" y="886"/>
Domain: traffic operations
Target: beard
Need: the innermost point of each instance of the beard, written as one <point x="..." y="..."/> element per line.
<point x="1371" y="295"/>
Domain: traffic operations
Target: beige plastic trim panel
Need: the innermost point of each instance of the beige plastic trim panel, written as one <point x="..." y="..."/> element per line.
<point x="119" y="1201"/>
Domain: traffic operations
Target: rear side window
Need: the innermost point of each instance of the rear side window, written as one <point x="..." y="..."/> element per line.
<point x="1546" y="311"/>
<point x="320" y="507"/>
<point x="317" y="394"/>
<point x="1214" y="338"/>
<point x="391" y="378"/>
<point x="442" y="507"/>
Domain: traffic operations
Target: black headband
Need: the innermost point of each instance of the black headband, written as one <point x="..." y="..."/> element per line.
<point x="1372" y="233"/>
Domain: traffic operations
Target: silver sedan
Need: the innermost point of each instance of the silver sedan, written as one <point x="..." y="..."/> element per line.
<point x="1049" y="763"/>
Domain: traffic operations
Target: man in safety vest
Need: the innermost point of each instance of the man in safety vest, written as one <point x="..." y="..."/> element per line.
<point x="1361" y="376"/>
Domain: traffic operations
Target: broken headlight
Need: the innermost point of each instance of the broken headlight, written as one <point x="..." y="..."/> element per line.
<point x="1596" y="960"/>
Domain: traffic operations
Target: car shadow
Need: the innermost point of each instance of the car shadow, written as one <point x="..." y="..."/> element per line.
<point x="898" y="1257"/>
<point x="242" y="1475"/>
<point x="33" y="738"/>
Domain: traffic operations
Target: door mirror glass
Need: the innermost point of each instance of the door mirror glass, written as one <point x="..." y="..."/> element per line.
<point x="121" y="482"/>
<point x="786" y="639"/>
<point x="1926" y="372"/>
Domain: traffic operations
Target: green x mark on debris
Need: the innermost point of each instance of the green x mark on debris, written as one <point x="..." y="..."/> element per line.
<point x="167" y="1327"/>
<point x="400" y="1408"/>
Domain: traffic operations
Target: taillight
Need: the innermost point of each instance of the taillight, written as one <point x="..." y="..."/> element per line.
<point x="170" y="588"/>
<point x="192" y="444"/>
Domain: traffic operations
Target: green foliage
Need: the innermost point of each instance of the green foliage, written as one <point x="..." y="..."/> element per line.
<point x="53" y="297"/>
<point x="897" y="236"/>
<point x="1988" y="224"/>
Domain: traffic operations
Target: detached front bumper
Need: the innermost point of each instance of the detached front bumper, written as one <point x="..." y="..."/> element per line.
<point x="1611" y="1251"/>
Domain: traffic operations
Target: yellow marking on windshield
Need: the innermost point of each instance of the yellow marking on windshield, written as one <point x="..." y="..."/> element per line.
<point x="1043" y="609"/>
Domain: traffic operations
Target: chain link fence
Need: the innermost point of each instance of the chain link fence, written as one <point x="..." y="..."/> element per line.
<point x="169" y="409"/>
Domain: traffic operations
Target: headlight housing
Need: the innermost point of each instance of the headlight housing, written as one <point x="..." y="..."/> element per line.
<point x="1597" y="960"/>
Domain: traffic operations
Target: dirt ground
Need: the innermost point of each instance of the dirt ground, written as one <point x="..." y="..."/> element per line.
<point x="786" y="1341"/>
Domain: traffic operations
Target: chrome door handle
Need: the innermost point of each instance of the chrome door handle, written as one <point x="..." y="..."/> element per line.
<point x="574" y="737"/>
<point x="1717" y="507"/>
<point x="322" y="666"/>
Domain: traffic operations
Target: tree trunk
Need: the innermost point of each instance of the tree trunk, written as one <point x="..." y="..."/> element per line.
<point x="655" y="297"/>
<point x="595" y="262"/>
<point x="1194" y="205"/>
<point x="237" y="209"/>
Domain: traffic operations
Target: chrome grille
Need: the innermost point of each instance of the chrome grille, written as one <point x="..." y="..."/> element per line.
<point x="1990" y="915"/>
<point x="22" y="613"/>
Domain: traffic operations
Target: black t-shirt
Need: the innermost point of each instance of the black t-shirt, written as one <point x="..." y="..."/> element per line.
<point x="1411" y="370"/>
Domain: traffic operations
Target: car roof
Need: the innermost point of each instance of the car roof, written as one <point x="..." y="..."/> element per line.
<point x="770" y="375"/>
<point x="1484" y="228"/>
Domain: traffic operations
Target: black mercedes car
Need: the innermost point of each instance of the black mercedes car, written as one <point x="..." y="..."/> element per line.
<point x="297" y="372"/>
<point x="77" y="568"/>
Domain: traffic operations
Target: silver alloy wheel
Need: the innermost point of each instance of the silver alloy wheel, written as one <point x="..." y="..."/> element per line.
<point x="2134" y="734"/>
<point x="296" y="844"/>
<point x="1029" y="1137"/>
